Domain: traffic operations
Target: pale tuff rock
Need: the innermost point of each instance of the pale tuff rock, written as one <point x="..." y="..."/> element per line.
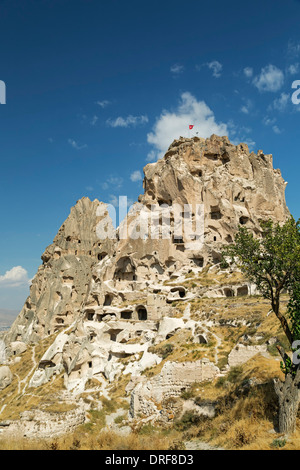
<point x="207" y="408"/>
<point x="5" y="377"/>
<point x="62" y="281"/>
<point x="233" y="185"/>
<point x="42" y="424"/>
<point x="232" y="291"/>
<point x="49" y="365"/>
<point x="174" y="378"/>
<point x="18" y="347"/>
<point x="107" y="295"/>
<point x="2" y="352"/>
<point x="242" y="353"/>
<point x="167" y="327"/>
<point x="137" y="367"/>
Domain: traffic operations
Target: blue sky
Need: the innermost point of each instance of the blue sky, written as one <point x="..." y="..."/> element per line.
<point x="95" y="90"/>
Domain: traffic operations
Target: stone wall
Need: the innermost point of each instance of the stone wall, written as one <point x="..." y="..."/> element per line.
<point x="241" y="353"/>
<point x="42" y="424"/>
<point x="173" y="379"/>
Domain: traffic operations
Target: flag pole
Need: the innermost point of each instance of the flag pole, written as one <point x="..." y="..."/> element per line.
<point x="190" y="127"/>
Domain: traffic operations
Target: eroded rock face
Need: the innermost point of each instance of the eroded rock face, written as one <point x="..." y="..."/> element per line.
<point x="110" y="298"/>
<point x="44" y="425"/>
<point x="5" y="377"/>
<point x="62" y="281"/>
<point x="235" y="186"/>
<point x="242" y="353"/>
<point x="194" y="200"/>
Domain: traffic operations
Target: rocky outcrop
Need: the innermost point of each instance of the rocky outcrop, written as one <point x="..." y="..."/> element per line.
<point x="108" y="295"/>
<point x="5" y="377"/>
<point x="242" y="353"/>
<point x="44" y="425"/>
<point x="235" y="187"/>
<point x="62" y="282"/>
<point x="206" y="184"/>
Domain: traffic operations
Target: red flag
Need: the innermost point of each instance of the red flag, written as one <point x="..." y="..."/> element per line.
<point x="191" y="126"/>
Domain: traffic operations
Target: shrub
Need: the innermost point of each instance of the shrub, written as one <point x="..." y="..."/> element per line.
<point x="278" y="443"/>
<point x="119" y="419"/>
<point x="234" y="374"/>
<point x="108" y="405"/>
<point x="177" y="444"/>
<point x="241" y="435"/>
<point x="188" y="419"/>
<point x="187" y="394"/>
<point x="165" y="350"/>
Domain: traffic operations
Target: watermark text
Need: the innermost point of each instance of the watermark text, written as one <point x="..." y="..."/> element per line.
<point x="2" y="92"/>
<point x="296" y="94"/>
<point x="183" y="224"/>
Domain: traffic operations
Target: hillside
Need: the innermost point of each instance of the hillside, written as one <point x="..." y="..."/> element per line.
<point x="141" y="332"/>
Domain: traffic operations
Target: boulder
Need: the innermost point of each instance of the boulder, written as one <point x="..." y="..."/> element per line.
<point x="5" y="377"/>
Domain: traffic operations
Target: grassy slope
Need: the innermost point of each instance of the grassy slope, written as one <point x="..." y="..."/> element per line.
<point x="245" y="417"/>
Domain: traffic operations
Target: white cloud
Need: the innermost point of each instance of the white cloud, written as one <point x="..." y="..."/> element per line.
<point x="268" y="121"/>
<point x="116" y="181"/>
<point x="247" y="106"/>
<point x="113" y="181"/>
<point x="94" y="120"/>
<point x="271" y="122"/>
<point x="281" y="103"/>
<point x="245" y="110"/>
<point x="293" y="69"/>
<point x="250" y="142"/>
<point x="15" y="277"/>
<point x="216" y="68"/>
<point x="136" y="176"/>
<point x="241" y="134"/>
<point x="75" y="145"/>
<point x="103" y="103"/>
<point x="152" y="156"/>
<point x="293" y="49"/>
<point x="177" y="69"/>
<point x="271" y="79"/>
<point x="171" y="125"/>
<point x="248" y="72"/>
<point x="128" y="121"/>
<point x="276" y="129"/>
<point x="86" y="119"/>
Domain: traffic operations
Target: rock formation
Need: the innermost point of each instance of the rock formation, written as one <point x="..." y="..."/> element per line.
<point x="61" y="284"/>
<point x="108" y="299"/>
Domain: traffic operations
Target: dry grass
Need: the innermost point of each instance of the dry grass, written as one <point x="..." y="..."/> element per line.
<point x="84" y="439"/>
<point x="212" y="279"/>
<point x="17" y="397"/>
<point x="246" y="416"/>
<point x="180" y="348"/>
<point x="244" y="420"/>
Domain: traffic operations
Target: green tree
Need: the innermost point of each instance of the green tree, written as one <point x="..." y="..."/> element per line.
<point x="272" y="262"/>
